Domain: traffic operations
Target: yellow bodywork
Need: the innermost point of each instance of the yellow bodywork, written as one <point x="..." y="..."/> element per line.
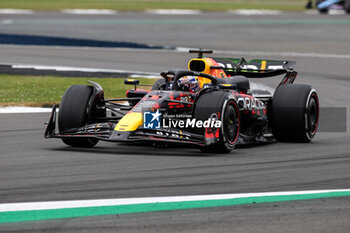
<point x="208" y="62"/>
<point x="130" y="122"/>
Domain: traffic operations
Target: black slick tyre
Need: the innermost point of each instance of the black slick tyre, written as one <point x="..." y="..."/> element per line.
<point x="294" y="113"/>
<point x="323" y="11"/>
<point x="347" y="6"/>
<point x="73" y="113"/>
<point x="223" y="106"/>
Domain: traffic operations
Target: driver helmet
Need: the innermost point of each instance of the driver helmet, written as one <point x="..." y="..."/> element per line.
<point x="189" y="83"/>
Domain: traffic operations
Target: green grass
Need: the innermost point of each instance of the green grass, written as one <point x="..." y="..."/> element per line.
<point x="138" y="5"/>
<point x="47" y="90"/>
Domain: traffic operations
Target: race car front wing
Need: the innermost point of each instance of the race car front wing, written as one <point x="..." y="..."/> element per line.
<point x="106" y="132"/>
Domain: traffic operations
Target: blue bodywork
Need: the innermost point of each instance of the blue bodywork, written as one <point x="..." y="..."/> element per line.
<point x="325" y="4"/>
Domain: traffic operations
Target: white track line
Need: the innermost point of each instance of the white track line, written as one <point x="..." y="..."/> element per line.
<point x="81" y="69"/>
<point x="280" y="54"/>
<point x="165" y="12"/>
<point x="7" y="110"/>
<point x="89" y="11"/>
<point x="255" y="12"/>
<point x="311" y="12"/>
<point x="336" y="12"/>
<point x="15" y="11"/>
<point x="173" y="12"/>
<point x="129" y="201"/>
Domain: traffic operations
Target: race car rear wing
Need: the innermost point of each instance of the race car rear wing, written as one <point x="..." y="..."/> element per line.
<point x="255" y="68"/>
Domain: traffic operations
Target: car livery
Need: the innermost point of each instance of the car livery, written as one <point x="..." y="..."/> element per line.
<point x="221" y="114"/>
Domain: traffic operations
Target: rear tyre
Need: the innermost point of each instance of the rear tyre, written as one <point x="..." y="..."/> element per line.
<point x="323" y="11"/>
<point x="294" y="113"/>
<point x="347" y="6"/>
<point x="73" y="113"/>
<point x="219" y="105"/>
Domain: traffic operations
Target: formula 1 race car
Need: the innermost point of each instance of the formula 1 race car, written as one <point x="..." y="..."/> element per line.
<point x="323" y="6"/>
<point x="210" y="105"/>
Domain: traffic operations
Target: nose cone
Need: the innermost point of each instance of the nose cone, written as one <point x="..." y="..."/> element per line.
<point x="130" y="122"/>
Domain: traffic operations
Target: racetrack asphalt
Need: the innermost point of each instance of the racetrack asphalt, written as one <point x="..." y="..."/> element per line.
<point x="35" y="169"/>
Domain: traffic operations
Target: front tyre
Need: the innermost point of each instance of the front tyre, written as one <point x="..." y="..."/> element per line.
<point x="294" y="113"/>
<point x="221" y="105"/>
<point x="73" y="113"/>
<point x="230" y="128"/>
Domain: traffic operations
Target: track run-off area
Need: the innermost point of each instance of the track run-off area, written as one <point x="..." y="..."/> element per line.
<point x="21" y="212"/>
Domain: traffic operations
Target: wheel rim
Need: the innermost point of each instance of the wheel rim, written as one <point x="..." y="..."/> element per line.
<point x="313" y="113"/>
<point x="230" y="124"/>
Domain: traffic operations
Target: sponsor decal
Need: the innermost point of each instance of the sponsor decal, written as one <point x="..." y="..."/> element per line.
<point x="174" y="133"/>
<point x="143" y="105"/>
<point x="252" y="67"/>
<point x="246" y="103"/>
<point x="151" y="120"/>
<point x="185" y="98"/>
<point x="191" y="123"/>
<point x="154" y="120"/>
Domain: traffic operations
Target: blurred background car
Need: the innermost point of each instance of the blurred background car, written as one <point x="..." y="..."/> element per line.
<point x="323" y="6"/>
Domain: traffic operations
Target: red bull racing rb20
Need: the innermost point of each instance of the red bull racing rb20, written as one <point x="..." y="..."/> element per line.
<point x="209" y="105"/>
